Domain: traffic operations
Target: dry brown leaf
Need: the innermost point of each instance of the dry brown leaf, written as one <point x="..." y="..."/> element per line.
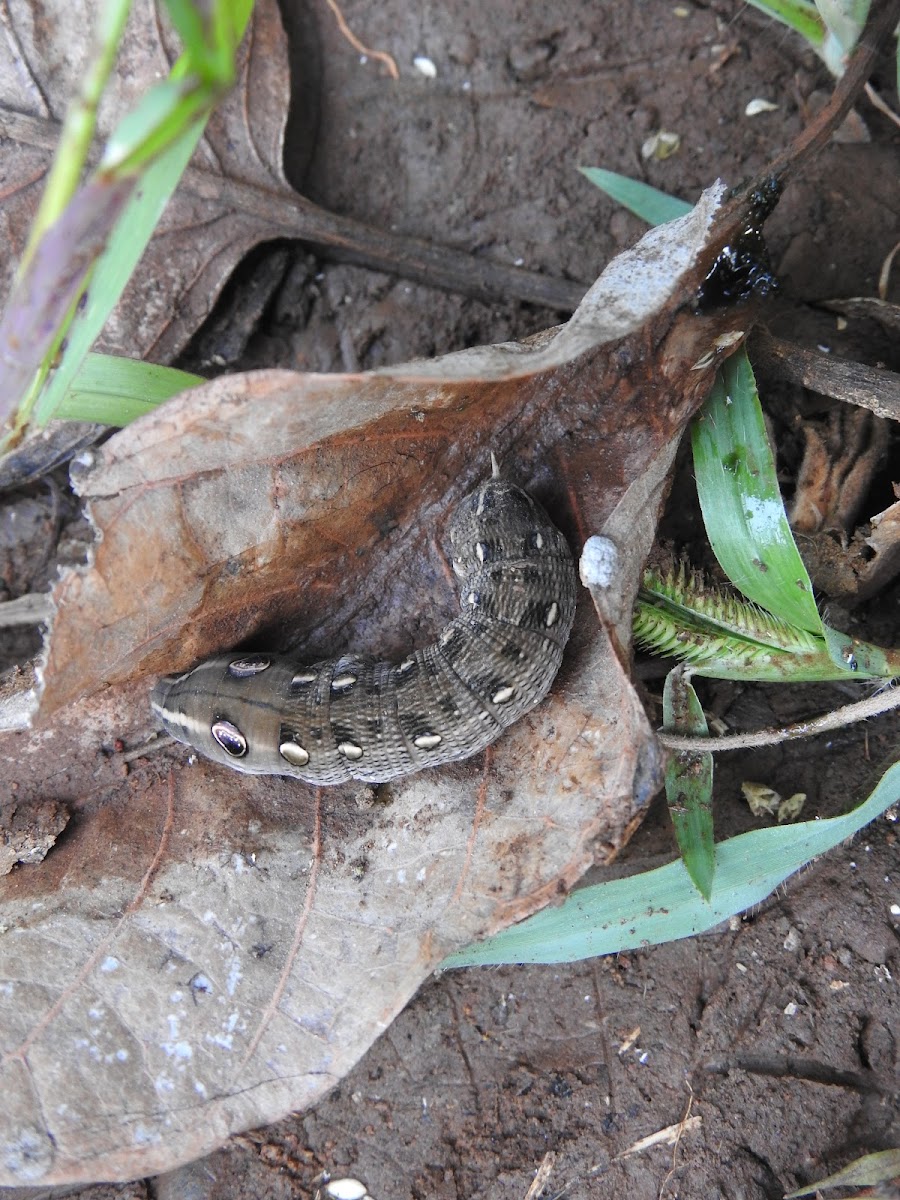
<point x="207" y="951"/>
<point x="279" y="499"/>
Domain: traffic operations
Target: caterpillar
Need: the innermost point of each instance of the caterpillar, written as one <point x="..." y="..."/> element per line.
<point x="355" y="718"/>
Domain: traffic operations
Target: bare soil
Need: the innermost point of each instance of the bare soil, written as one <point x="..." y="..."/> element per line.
<point x="778" y="1035"/>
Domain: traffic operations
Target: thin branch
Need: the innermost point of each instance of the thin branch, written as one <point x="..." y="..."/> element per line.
<point x="872" y="706"/>
<point x="840" y="378"/>
<point x="30" y="609"/>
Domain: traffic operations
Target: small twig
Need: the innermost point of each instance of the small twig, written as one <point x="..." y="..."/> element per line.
<point x="542" y="1176"/>
<point x="158" y="743"/>
<point x="30" y="609"/>
<point x="873" y="706"/>
<point x="382" y="55"/>
<point x="670" y="1136"/>
<point x="852" y="382"/>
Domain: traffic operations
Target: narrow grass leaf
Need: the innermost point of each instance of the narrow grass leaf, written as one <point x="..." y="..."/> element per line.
<point x="77" y="133"/>
<point x="845" y="20"/>
<point x="158" y="119"/>
<point x="872" y="1170"/>
<point x="115" y="265"/>
<point x="113" y="391"/>
<point x="663" y="905"/>
<point x="49" y="287"/>
<point x="129" y="237"/>
<point x="689" y="782"/>
<point x="648" y="203"/>
<point x="862" y="658"/>
<point x="742" y="507"/>
<point x="800" y="15"/>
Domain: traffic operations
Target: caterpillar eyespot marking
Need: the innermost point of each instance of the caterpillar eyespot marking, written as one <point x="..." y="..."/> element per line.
<point x="355" y="718"/>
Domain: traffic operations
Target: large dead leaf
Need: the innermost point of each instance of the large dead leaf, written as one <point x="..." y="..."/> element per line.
<point x="206" y="951"/>
<point x="278" y="497"/>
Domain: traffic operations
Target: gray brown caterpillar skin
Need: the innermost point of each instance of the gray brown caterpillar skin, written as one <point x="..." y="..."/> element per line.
<point x="353" y="718"/>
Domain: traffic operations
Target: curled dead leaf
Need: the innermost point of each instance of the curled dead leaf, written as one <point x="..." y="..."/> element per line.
<point x="225" y="947"/>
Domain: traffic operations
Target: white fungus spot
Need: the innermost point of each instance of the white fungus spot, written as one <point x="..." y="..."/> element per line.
<point x="599" y="562"/>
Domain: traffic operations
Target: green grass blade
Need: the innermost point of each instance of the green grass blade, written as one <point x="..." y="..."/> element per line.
<point x="648" y="203"/>
<point x="47" y="292"/>
<point x="80" y="121"/>
<point x="689" y="783"/>
<point x="722" y="637"/>
<point x="209" y="36"/>
<point x="113" y="391"/>
<point x="742" y="507"/>
<point x="182" y="112"/>
<point x="844" y="20"/>
<point x="865" y="660"/>
<point x="159" y="119"/>
<point x="115" y="265"/>
<point x="870" y="1171"/>
<point x="663" y="905"/>
<point x="800" y="15"/>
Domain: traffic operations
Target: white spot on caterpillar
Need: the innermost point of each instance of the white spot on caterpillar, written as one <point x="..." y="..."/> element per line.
<point x="538" y="542"/>
<point x="294" y="753"/>
<point x="241" y="668"/>
<point x="351" y="750"/>
<point x="406" y="665"/>
<point x="343" y="683"/>
<point x="503" y="695"/>
<point x="428" y="741"/>
<point x="480" y="551"/>
<point x="304" y="677"/>
<point x="552" y="615"/>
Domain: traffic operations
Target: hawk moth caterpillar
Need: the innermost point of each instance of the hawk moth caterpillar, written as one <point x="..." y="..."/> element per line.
<point x="354" y="718"/>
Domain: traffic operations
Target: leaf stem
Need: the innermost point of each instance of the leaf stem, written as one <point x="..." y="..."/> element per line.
<point x="80" y="121"/>
<point x="873" y="706"/>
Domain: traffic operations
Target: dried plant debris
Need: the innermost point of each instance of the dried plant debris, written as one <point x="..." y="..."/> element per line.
<point x="842" y="455"/>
